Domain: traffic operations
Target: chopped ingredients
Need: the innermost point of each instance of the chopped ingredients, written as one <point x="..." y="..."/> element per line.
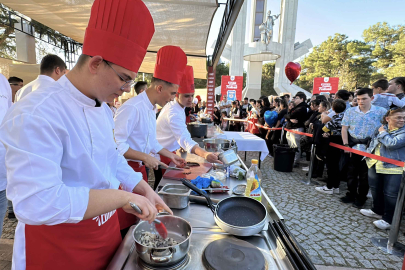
<point x="156" y="241"/>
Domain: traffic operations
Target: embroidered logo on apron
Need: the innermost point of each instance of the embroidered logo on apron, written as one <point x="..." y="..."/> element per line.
<point x="104" y="218"/>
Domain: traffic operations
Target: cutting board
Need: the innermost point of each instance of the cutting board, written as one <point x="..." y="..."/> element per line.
<point x="195" y="171"/>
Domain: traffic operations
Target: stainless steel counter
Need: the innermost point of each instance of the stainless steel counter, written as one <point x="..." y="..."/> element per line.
<point x="205" y="230"/>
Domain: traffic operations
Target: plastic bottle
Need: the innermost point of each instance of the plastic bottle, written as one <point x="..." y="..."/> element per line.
<point x="253" y="181"/>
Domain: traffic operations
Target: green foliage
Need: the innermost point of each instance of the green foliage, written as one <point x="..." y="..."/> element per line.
<point x="221" y="69"/>
<point x="7" y="36"/>
<point x="357" y="63"/>
<point x="268" y="79"/>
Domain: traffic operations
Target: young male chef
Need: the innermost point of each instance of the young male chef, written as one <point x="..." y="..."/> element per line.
<point x="171" y="128"/>
<point x="135" y="120"/>
<point x="63" y="166"/>
<point x="52" y="67"/>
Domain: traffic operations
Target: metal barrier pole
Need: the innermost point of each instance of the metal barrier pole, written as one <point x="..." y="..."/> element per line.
<point x="282" y="135"/>
<point x="308" y="181"/>
<point x="390" y="244"/>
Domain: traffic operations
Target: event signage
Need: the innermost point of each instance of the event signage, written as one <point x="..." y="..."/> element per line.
<point x="211" y="91"/>
<point x="231" y="86"/>
<point x="325" y="84"/>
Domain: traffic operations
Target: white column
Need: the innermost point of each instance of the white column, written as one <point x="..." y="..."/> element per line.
<point x="238" y="42"/>
<point x="254" y="80"/>
<point x="25" y="45"/>
<point x="286" y="36"/>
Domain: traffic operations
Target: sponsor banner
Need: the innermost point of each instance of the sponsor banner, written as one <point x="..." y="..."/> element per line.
<point x="325" y="84"/>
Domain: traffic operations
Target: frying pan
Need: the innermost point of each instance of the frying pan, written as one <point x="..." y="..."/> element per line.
<point x="241" y="216"/>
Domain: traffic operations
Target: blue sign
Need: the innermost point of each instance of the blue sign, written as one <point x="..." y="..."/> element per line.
<point x="232" y="95"/>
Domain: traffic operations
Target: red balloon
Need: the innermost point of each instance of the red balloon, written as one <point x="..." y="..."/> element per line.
<point x="292" y="71"/>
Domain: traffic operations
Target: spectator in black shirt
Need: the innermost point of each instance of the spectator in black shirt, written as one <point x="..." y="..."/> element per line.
<point x="295" y="121"/>
<point x="273" y="137"/>
<point x="217" y="116"/>
<point x="246" y="107"/>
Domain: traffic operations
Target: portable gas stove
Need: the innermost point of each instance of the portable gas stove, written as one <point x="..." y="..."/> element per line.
<point x="209" y="249"/>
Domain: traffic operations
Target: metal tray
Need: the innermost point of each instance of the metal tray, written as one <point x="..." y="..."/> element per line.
<point x="175" y="195"/>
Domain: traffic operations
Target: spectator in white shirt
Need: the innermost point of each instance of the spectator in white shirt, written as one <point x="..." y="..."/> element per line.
<point x="225" y="105"/>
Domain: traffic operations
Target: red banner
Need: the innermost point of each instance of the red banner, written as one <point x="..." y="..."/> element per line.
<point x="232" y="86"/>
<point x="211" y="91"/>
<point x="325" y="84"/>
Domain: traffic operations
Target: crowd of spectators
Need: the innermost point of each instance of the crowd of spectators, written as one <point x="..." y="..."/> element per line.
<point x="368" y="119"/>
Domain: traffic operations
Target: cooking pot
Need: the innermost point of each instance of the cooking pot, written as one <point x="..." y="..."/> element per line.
<point x="178" y="229"/>
<point x="219" y="145"/>
<point x="197" y="129"/>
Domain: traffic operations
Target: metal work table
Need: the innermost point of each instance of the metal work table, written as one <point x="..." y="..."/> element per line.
<point x="205" y="230"/>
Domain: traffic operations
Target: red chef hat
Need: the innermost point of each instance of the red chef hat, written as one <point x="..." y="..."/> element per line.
<point x="187" y="82"/>
<point x="170" y="64"/>
<point x="119" y="31"/>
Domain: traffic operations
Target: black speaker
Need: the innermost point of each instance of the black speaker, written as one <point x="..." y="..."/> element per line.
<point x="218" y="98"/>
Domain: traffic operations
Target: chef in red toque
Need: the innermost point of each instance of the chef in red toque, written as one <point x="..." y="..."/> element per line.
<point x="135" y="120"/>
<point x="63" y="165"/>
<point x="171" y="128"/>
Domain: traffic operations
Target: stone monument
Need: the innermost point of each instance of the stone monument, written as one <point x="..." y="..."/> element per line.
<point x="260" y="46"/>
<point x="266" y="28"/>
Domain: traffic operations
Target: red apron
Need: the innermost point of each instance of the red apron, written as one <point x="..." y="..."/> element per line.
<point x="89" y="244"/>
<point x="188" y="120"/>
<point x="127" y="220"/>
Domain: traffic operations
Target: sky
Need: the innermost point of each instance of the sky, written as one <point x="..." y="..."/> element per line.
<point x="318" y="19"/>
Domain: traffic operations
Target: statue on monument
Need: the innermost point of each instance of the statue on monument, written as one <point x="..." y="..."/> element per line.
<point x="266" y="28"/>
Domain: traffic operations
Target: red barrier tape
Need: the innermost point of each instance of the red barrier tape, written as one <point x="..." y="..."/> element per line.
<point x="358" y="152"/>
<point x="299" y="132"/>
<point x="365" y="154"/>
<point x="260" y="126"/>
<point x="236" y="120"/>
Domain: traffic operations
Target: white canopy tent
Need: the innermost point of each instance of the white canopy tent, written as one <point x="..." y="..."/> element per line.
<point x="184" y="23"/>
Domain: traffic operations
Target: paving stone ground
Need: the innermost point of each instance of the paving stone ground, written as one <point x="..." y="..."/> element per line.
<point x="335" y="235"/>
<point x="332" y="233"/>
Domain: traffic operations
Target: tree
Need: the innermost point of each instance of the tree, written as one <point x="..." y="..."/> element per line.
<point x="397" y="68"/>
<point x="387" y="44"/>
<point x="221" y="69"/>
<point x="7" y="35"/>
<point x="268" y="79"/>
<point x="338" y="57"/>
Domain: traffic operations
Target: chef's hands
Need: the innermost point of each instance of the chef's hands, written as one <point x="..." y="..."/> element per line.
<point x="153" y="163"/>
<point x="149" y="211"/>
<point x="155" y="199"/>
<point x="180" y="162"/>
<point x="212" y="157"/>
<point x="295" y="121"/>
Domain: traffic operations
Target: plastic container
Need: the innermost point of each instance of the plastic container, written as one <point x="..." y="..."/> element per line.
<point x="253" y="182"/>
<point x="283" y="157"/>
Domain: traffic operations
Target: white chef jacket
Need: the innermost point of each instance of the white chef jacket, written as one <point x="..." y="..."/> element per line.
<point x="5" y="104"/>
<point x="135" y="126"/>
<point x="40" y="82"/>
<point x="59" y="146"/>
<point x="171" y="128"/>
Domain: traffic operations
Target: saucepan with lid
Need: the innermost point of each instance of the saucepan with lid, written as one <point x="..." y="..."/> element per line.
<point x="241" y="216"/>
